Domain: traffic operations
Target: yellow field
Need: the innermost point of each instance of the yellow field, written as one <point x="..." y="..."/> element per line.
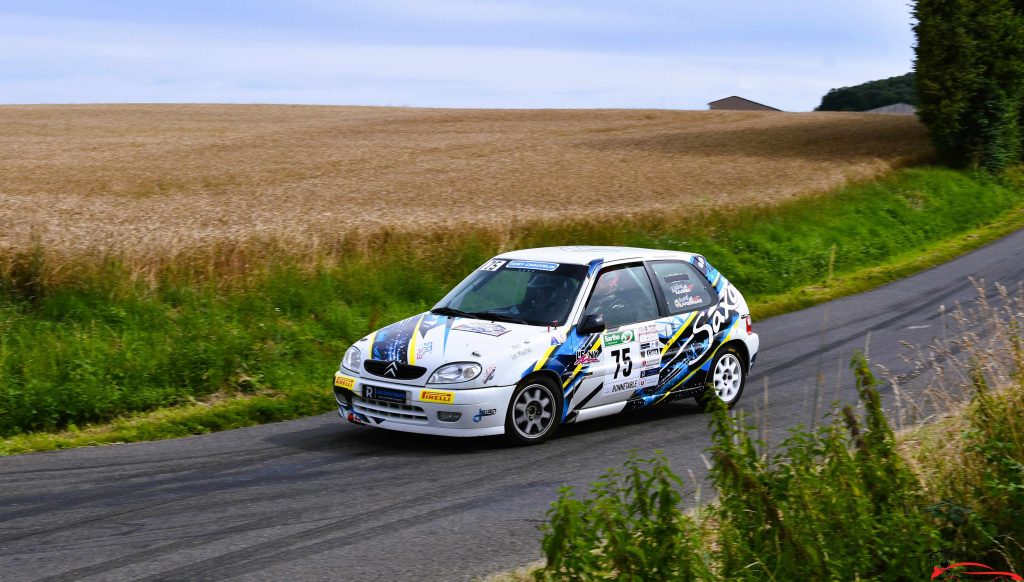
<point x="160" y="180"/>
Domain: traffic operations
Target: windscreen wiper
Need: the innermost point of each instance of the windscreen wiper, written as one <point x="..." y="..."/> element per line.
<point x="499" y="317"/>
<point x="453" y="312"/>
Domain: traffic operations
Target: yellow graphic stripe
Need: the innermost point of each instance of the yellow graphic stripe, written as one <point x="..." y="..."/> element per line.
<point x="544" y="359"/>
<point x="412" y="342"/>
<point x="679" y="332"/>
<point x="597" y="346"/>
<point x="732" y="330"/>
<point x="664" y="396"/>
<point x="688" y="376"/>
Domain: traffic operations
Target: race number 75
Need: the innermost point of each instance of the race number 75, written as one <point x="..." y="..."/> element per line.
<point x="622" y="359"/>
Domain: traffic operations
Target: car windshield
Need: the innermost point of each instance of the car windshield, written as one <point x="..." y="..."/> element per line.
<point x="529" y="292"/>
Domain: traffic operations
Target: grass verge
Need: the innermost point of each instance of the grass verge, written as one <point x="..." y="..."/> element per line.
<point x="103" y="347"/>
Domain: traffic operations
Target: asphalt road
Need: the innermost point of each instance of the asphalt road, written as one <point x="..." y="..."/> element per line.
<point x="319" y="499"/>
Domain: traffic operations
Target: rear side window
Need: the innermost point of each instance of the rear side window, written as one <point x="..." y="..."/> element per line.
<point x="682" y="286"/>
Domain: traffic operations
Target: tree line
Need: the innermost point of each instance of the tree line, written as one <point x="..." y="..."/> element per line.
<point x="871" y="95"/>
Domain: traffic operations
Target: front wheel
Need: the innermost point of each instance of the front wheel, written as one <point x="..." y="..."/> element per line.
<point x="726" y="379"/>
<point x="534" y="412"/>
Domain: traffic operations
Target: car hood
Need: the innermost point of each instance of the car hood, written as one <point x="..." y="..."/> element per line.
<point x="504" y="350"/>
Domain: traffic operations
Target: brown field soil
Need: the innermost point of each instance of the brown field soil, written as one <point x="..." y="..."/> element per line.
<point x="160" y="180"/>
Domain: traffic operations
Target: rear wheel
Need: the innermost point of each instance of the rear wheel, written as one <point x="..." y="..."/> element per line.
<point x="726" y="379"/>
<point x="534" y="412"/>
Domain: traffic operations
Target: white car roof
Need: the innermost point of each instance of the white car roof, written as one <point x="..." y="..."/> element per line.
<point x="582" y="255"/>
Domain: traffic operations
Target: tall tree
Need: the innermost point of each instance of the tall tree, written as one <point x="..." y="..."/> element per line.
<point x="970" y="79"/>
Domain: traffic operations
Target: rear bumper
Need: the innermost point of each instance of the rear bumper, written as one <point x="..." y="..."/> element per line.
<point x="753" y="344"/>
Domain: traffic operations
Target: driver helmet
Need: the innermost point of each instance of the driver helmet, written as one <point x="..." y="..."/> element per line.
<point x="543" y="288"/>
<point x="608" y="284"/>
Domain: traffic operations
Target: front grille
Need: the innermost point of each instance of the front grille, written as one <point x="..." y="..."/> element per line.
<point x="389" y="410"/>
<point x="393" y="369"/>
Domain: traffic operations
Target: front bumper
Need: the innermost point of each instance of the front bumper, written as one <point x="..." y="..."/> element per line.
<point x="482" y="410"/>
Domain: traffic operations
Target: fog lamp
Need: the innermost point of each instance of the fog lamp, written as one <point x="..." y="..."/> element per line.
<point x="445" y="416"/>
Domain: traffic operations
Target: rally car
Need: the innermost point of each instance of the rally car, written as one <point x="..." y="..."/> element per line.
<point x="537" y="338"/>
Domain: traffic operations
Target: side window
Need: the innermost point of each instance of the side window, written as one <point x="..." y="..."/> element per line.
<point x="624" y="295"/>
<point x="683" y="287"/>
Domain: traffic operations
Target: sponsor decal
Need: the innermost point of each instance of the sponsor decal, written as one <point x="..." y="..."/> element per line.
<point x="621" y="387"/>
<point x="424" y="349"/>
<point x="438" y="396"/>
<point x="343" y="381"/>
<point x="687" y="301"/>
<point x="676" y="278"/>
<point x="726" y="308"/>
<point x="489" y="373"/>
<point x="533" y="265"/>
<point x="649" y="372"/>
<point x="557" y="338"/>
<point x="484" y="412"/>
<point x="520" y="351"/>
<point x="585" y="357"/>
<point x="648" y="333"/>
<point x="681" y="288"/>
<point x="481" y="327"/>
<point x="614" y="338"/>
<point x="492" y="265"/>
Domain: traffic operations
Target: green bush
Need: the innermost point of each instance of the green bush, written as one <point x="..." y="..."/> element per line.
<point x="629" y="529"/>
<point x="835" y="503"/>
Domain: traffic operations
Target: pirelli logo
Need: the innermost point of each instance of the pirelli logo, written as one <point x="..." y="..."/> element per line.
<point x="343" y="381"/>
<point x="438" y="396"/>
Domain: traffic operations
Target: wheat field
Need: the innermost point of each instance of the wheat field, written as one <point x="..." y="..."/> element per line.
<point x="166" y="180"/>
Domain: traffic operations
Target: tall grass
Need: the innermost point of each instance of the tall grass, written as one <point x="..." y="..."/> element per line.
<point x="89" y="343"/>
<point x="843" y="502"/>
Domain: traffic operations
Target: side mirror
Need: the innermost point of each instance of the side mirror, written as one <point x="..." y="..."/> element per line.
<point x="593" y="323"/>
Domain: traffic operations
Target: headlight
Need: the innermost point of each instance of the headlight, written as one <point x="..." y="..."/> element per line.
<point x="457" y="372"/>
<point x="351" y="360"/>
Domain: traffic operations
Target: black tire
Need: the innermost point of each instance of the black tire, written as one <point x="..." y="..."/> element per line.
<point x="534" y="412"/>
<point x="728" y="375"/>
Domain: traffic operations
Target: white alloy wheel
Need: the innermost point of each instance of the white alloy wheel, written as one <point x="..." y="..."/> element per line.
<point x="533" y="415"/>
<point x="727" y="378"/>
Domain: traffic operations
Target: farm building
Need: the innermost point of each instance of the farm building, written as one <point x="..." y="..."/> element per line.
<point x="735" y="103"/>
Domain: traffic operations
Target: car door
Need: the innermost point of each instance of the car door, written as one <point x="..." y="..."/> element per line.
<point x="627" y="358"/>
<point x="683" y="293"/>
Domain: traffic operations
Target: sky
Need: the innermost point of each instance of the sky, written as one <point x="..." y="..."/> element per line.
<point x="670" y="54"/>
